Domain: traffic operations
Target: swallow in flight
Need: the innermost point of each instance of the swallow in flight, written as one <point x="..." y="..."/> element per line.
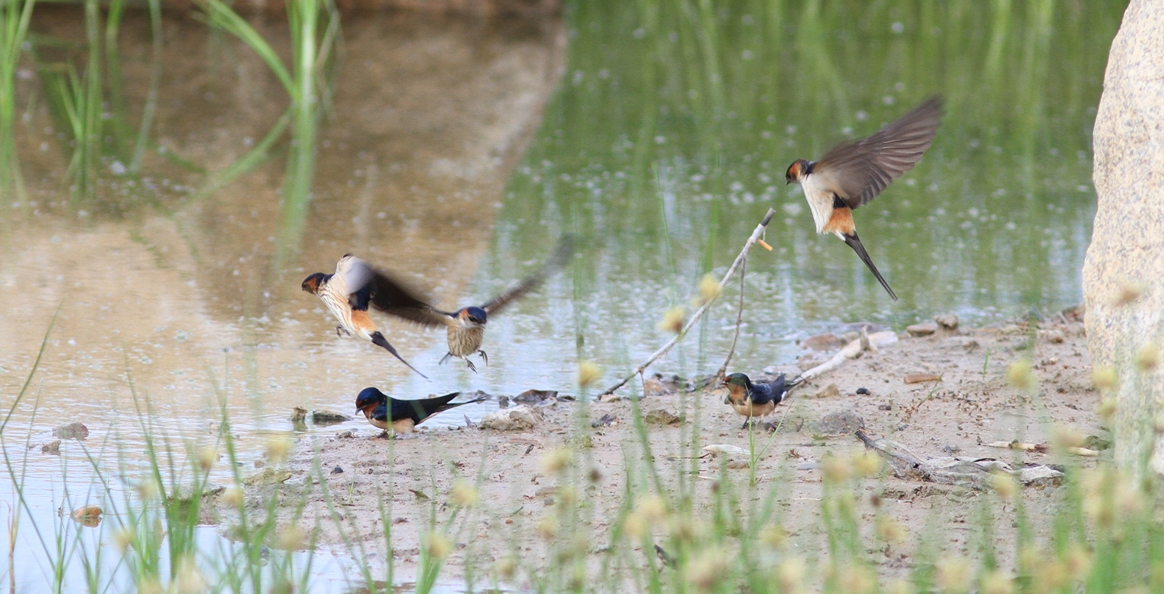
<point x="402" y="415"/>
<point x="755" y="400"/>
<point x="854" y="172"/>
<point x="466" y="326"/>
<point x="347" y="292"/>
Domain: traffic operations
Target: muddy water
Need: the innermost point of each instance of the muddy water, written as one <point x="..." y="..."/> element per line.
<point x="190" y="304"/>
<point x="457" y="150"/>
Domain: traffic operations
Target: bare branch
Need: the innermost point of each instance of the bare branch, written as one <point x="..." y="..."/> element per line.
<point x="699" y="312"/>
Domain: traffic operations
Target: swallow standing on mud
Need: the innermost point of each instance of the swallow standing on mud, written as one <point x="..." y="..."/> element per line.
<point x="466" y="326"/>
<point x="854" y="172"/>
<point x="402" y="415"/>
<point x="347" y="292"/>
<point x="755" y="400"/>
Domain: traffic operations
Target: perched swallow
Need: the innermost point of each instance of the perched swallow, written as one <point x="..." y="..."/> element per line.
<point x="755" y="400"/>
<point x="854" y="172"/>
<point x="347" y="292"/>
<point x="402" y="415"/>
<point x="466" y="326"/>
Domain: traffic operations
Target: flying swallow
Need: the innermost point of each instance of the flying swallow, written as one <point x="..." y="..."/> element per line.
<point x="756" y="400"/>
<point x="402" y="415"/>
<point x="855" y="172"/>
<point x="347" y="292"/>
<point x="466" y="326"/>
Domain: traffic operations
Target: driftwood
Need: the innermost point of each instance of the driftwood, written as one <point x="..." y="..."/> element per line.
<point x="973" y="472"/>
<point x="699" y="312"/>
<point x="867" y="342"/>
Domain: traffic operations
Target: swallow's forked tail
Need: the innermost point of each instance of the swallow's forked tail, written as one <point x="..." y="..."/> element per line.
<point x="379" y="340"/>
<point x="855" y="243"/>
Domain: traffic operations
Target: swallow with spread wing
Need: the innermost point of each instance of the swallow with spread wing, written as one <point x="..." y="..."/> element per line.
<point x="466" y="326"/>
<point x="347" y="292"/>
<point x="756" y="399"/>
<point x="401" y="416"/>
<point x="855" y="172"/>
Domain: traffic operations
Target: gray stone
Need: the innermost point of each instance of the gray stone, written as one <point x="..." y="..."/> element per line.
<point x="947" y="321"/>
<point x="1123" y="272"/>
<point x="518" y="418"/>
<point x="923" y="329"/>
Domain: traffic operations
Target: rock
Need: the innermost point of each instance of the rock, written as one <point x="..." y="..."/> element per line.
<point x="88" y="516"/>
<point x="337" y="470"/>
<point x="921" y="378"/>
<point x="829" y="391"/>
<point x="71" y="431"/>
<point x="839" y="423"/>
<point x="923" y="329"/>
<point x="607" y="419"/>
<point x="662" y="417"/>
<point x="863" y="391"/>
<point x="518" y="418"/>
<point x="654" y="387"/>
<point x="535" y="396"/>
<point x="1055" y="337"/>
<point x="298" y="415"/>
<point x="947" y="321"/>
<point x="1123" y="272"/>
<point x="323" y="418"/>
<point x="268" y="476"/>
<point x="53" y="447"/>
<point x="823" y="342"/>
<point x="503" y="402"/>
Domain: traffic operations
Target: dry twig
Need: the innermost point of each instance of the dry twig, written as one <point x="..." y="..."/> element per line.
<point x="699" y="312"/>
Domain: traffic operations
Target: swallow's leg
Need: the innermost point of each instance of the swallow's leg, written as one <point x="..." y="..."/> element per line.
<point x="341" y="332"/>
<point x="746" y="421"/>
<point x="484" y="357"/>
<point x="385" y="435"/>
<point x="471" y="366"/>
<point x="445" y="358"/>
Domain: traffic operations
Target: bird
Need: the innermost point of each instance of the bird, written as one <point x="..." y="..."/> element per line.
<point x="401" y="416"/>
<point x="856" y="171"/>
<point x="466" y="326"/>
<point x="756" y="399"/>
<point x="347" y="292"/>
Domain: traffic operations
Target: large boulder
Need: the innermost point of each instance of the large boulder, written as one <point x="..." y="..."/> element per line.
<point x="1123" y="273"/>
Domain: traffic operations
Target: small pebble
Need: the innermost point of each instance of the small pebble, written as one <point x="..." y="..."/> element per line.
<point x="337" y="470"/>
<point x="924" y="329"/>
<point x="863" y="391"/>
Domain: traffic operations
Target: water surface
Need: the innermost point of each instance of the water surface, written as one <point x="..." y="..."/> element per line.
<point x="458" y="150"/>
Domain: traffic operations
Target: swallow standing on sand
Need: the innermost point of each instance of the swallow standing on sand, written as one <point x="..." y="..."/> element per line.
<point x="755" y="400"/>
<point x="466" y="326"/>
<point x="402" y="415"/>
<point x="854" y="172"/>
<point x="347" y="292"/>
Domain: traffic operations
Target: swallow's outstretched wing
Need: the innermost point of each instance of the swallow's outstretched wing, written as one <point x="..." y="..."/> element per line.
<point x="392" y="296"/>
<point x="561" y="257"/>
<point x="858" y="170"/>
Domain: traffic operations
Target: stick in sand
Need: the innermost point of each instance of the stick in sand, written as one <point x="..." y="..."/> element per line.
<point x="699" y="312"/>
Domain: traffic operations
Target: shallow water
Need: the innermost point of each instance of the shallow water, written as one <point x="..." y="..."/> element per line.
<point x="458" y="150"/>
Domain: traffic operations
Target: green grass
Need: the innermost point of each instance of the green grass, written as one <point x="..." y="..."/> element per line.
<point x="13" y="32"/>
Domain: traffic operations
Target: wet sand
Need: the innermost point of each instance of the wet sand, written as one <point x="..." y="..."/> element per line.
<point x="971" y="406"/>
